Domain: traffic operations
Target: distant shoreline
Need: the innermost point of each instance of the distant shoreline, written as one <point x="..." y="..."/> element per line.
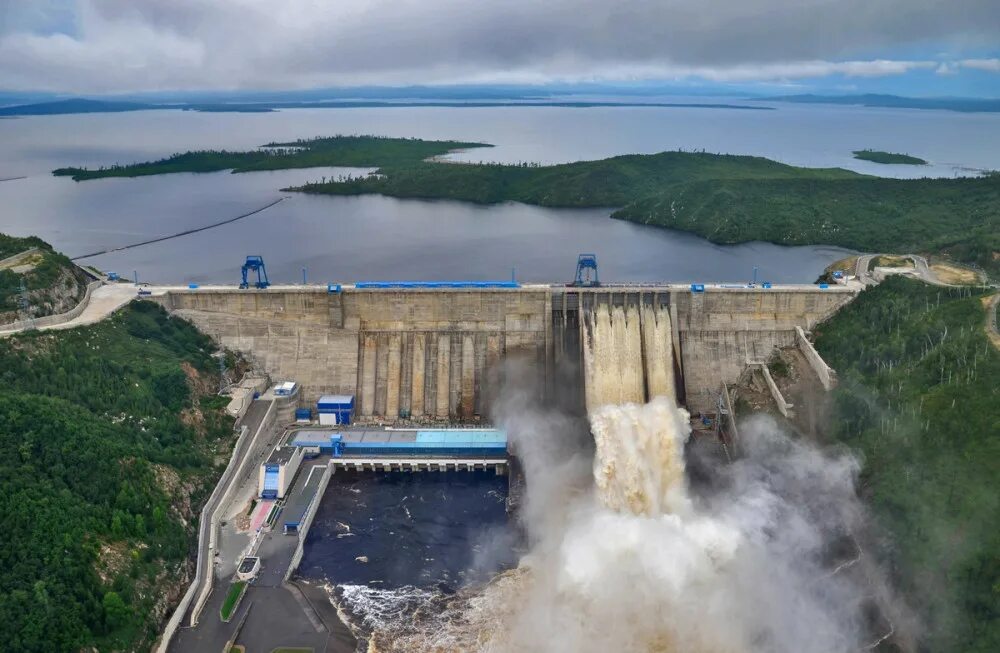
<point x="69" y="107"/>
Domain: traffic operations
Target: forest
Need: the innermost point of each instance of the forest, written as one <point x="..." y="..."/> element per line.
<point x="919" y="401"/>
<point x="358" y="151"/>
<point x="111" y="437"/>
<point x="52" y="282"/>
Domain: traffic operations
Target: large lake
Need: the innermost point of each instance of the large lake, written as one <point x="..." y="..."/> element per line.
<point x="347" y="239"/>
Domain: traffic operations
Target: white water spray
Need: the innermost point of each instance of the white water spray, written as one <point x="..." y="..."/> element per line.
<point x="634" y="563"/>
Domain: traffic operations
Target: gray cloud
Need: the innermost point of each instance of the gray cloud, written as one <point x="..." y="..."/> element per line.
<point x="123" y="45"/>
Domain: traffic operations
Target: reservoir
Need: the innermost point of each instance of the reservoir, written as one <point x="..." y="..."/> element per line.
<point x="373" y="237"/>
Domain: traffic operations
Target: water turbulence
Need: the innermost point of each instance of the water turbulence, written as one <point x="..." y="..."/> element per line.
<point x="625" y="558"/>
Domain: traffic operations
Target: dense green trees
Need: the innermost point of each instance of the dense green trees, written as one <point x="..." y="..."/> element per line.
<point x="50" y="270"/>
<point x="919" y="398"/>
<point x="97" y="468"/>
<point x="361" y="151"/>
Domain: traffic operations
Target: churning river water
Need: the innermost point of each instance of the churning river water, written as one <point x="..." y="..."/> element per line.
<point x="358" y="238"/>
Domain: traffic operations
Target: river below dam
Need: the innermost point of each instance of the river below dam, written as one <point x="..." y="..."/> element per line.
<point x="379" y="238"/>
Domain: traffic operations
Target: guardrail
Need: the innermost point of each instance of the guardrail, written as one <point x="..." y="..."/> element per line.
<point x="208" y="528"/>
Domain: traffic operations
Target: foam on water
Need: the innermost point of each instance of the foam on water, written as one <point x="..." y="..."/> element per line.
<point x="637" y="564"/>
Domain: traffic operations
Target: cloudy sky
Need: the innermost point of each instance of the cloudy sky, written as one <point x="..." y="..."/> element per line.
<point x="918" y="47"/>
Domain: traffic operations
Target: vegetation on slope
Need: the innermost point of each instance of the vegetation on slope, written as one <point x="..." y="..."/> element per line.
<point x="360" y="151"/>
<point x="729" y="199"/>
<point x="110" y="435"/>
<point x="957" y="217"/>
<point x="878" y="156"/>
<point x="53" y="283"/>
<point x="919" y="398"/>
<point x="617" y="181"/>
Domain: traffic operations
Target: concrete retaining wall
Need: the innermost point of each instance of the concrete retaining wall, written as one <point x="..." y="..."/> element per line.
<point x="198" y="585"/>
<point x="307" y="520"/>
<point x="827" y="375"/>
<point x="722" y="330"/>
<point x="50" y="320"/>
<point x="784" y="407"/>
<point x="234" y="470"/>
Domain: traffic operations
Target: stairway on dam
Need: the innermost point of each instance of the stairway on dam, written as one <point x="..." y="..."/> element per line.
<point x="439" y="354"/>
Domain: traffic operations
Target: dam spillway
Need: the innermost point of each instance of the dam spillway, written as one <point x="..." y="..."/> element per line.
<point x="436" y="354"/>
<point x="627" y="354"/>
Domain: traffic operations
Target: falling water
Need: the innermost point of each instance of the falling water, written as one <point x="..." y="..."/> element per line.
<point x="638" y="565"/>
<point x="627" y="355"/>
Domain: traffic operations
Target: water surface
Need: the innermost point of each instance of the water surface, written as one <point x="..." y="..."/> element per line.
<point x="426" y="529"/>
<point x="349" y="239"/>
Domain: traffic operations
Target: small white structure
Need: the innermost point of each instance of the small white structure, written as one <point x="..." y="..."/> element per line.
<point x="248" y="568"/>
<point x="275" y="476"/>
<point x="285" y="389"/>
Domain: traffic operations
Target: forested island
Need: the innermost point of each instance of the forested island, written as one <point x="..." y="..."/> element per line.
<point x="878" y="156"/>
<point x="725" y="198"/>
<point x="356" y="151"/>
<point x="111" y="437"/>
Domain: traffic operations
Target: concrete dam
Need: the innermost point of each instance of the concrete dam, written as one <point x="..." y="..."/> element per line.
<point x="427" y="353"/>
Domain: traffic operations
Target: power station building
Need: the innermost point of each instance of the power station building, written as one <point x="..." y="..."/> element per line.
<point x="435" y="443"/>
<point x="276" y="475"/>
<point x="335" y="410"/>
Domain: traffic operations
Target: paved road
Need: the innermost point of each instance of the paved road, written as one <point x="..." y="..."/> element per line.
<point x="252" y="420"/>
<point x="215" y="628"/>
<point x="922" y="268"/>
<point x="104" y="301"/>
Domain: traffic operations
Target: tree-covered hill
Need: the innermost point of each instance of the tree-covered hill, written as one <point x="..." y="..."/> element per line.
<point x="110" y="438"/>
<point x="617" y="181"/>
<point x="958" y="217"/>
<point x="53" y="283"/>
<point x="919" y="399"/>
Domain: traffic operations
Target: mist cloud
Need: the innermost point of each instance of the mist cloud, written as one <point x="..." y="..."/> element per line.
<point x="122" y="45"/>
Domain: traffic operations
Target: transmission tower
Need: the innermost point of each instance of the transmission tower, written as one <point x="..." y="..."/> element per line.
<point x="24" y="305"/>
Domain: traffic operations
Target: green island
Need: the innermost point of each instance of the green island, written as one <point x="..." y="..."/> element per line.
<point x="877" y="156"/>
<point x="111" y="437"/>
<point x="727" y="199"/>
<point x="355" y="151"/>
<point x="918" y="400"/>
<point x="53" y="284"/>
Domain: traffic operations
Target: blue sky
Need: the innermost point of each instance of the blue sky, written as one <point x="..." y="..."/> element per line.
<point x="905" y="47"/>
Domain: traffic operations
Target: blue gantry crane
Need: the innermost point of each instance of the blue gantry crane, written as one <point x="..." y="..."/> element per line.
<point x="584" y="265"/>
<point x="255" y="264"/>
